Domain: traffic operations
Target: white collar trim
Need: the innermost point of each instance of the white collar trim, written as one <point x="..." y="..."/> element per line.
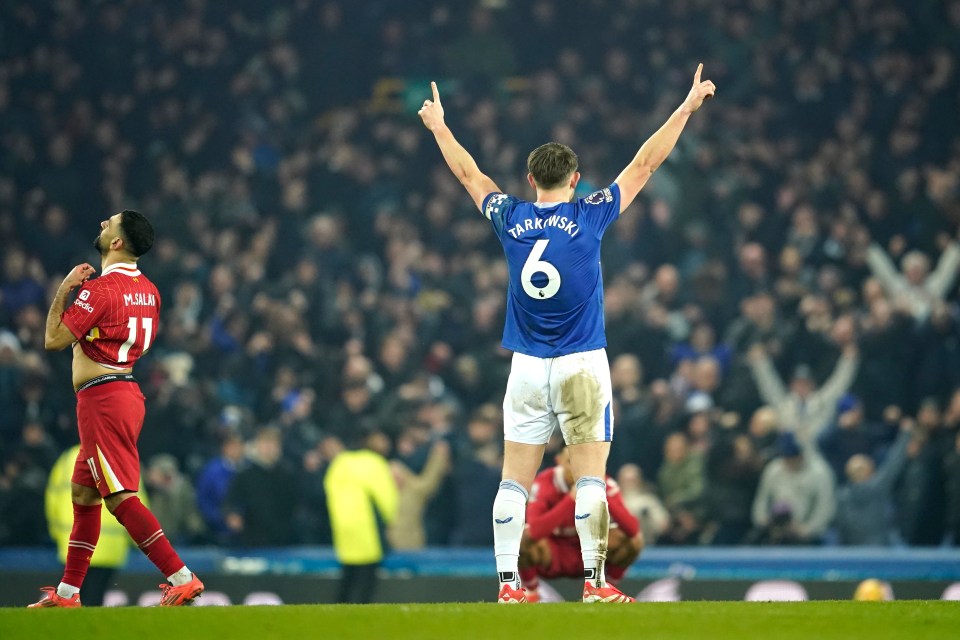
<point x="126" y="268"/>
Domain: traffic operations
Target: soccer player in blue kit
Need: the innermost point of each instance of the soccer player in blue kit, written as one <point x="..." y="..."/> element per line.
<point x="555" y="327"/>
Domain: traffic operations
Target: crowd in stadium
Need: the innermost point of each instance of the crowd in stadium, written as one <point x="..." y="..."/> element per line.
<point x="782" y="300"/>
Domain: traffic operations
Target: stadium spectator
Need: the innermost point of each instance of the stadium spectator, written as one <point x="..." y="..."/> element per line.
<point x="700" y="419"/>
<point x="886" y="339"/>
<point x="22" y="284"/>
<point x="753" y="275"/>
<point x="407" y="531"/>
<point x="642" y="501"/>
<point x="632" y="404"/>
<point x="213" y="486"/>
<point x="850" y="434"/>
<point x="864" y="504"/>
<point x="916" y="288"/>
<point x="665" y="416"/>
<point x="22" y="481"/>
<point x="313" y="515"/>
<point x="920" y="494"/>
<point x="732" y="472"/>
<point x="681" y="483"/>
<point x="173" y="498"/>
<point x="795" y="499"/>
<point x="11" y="420"/>
<point x="803" y="408"/>
<point x="951" y="469"/>
<point x="663" y="295"/>
<point x="703" y="342"/>
<point x="260" y="505"/>
<point x="937" y="354"/>
<point x="475" y="475"/>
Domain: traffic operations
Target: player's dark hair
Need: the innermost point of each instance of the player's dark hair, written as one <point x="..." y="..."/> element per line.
<point x="137" y="232"/>
<point x="551" y="164"/>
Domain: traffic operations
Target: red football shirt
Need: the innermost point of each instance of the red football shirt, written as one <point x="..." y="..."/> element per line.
<point x="551" y="509"/>
<point x="115" y="317"/>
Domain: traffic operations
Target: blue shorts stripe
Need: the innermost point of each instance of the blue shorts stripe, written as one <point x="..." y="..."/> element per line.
<point x="607" y="424"/>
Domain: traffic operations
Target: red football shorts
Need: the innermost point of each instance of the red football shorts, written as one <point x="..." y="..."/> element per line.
<point x="566" y="561"/>
<point x="109" y="418"/>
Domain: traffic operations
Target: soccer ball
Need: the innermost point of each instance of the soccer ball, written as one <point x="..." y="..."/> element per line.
<point x="872" y="589"/>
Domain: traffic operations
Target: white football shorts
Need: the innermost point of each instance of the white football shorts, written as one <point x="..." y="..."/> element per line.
<point x="572" y="392"/>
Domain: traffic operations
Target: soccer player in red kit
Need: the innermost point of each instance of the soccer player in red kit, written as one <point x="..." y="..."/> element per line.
<point x="111" y="323"/>
<point x="550" y="547"/>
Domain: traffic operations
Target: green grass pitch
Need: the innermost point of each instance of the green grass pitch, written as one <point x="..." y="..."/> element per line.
<point x="915" y="620"/>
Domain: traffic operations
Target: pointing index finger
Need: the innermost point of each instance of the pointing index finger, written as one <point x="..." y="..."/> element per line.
<point x="696" y="76"/>
<point x="436" y="92"/>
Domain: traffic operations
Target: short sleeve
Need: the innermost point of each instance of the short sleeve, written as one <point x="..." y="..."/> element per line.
<point x="493" y="205"/>
<point x="599" y="209"/>
<point x="495" y="209"/>
<point x="87" y="309"/>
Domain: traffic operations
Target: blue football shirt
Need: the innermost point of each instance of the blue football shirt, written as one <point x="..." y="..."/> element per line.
<point x="555" y="295"/>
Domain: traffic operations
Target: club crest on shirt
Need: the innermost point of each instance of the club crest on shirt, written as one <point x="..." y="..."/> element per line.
<point x="599" y="197"/>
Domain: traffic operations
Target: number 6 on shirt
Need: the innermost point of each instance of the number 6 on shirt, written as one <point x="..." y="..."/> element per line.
<point x="535" y="265"/>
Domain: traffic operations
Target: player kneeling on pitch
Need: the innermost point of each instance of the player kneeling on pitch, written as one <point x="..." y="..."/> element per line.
<point x="550" y="547"/>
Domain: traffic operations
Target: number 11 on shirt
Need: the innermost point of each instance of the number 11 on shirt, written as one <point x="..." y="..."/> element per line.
<point x="132" y="337"/>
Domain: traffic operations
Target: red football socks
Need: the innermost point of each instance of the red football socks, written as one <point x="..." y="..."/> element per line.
<point x="83" y="541"/>
<point x="146" y="532"/>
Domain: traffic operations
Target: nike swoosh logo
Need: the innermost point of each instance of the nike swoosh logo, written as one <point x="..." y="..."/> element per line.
<point x="583" y="517"/>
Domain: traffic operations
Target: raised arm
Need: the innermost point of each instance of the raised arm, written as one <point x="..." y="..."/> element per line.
<point x="885" y="477"/>
<point x="434" y="470"/>
<point x="765" y="375"/>
<point x="656" y="149"/>
<point x="939" y="282"/>
<point x="842" y="377"/>
<point x="464" y="167"/>
<point x="884" y="269"/>
<point x="57" y="336"/>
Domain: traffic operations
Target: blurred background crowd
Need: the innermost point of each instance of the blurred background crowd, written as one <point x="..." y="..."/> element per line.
<point x="782" y="308"/>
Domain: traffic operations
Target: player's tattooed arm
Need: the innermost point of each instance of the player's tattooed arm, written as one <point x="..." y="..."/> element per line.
<point x="461" y="163"/>
<point x="656" y="149"/>
<point x="57" y="336"/>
